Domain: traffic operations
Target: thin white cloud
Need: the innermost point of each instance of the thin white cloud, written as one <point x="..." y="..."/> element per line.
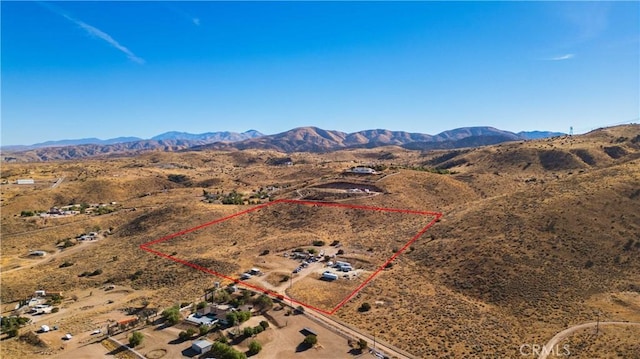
<point x="185" y="15"/>
<point x="562" y="58"/>
<point x="94" y="31"/>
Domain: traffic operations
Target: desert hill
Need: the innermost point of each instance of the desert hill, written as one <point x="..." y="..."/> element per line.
<point x="535" y="235"/>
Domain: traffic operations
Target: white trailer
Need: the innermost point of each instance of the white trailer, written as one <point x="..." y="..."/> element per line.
<point x="329" y="276"/>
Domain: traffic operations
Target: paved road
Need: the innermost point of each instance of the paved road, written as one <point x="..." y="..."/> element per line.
<point x="345" y="330"/>
<point x="569" y="331"/>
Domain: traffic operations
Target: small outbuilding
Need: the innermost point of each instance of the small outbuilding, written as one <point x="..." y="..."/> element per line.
<point x="329" y="276"/>
<point x="201" y="346"/>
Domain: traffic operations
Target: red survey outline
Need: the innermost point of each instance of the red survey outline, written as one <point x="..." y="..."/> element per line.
<point x="437" y="216"/>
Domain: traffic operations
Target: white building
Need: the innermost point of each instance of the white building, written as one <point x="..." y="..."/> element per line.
<point x="25" y="181"/>
<point x="201" y="346"/>
<point x="363" y="170"/>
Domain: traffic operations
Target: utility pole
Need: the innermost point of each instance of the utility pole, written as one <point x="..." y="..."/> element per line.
<point x="374" y="341"/>
<point x="598" y="322"/>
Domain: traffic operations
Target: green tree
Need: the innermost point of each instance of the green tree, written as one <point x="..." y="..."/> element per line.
<point x="204" y="329"/>
<point x="310" y="340"/>
<point x="264" y="324"/>
<point x="247" y="332"/>
<point x="224" y="351"/>
<point x="172" y="315"/>
<point x="254" y="347"/>
<point x="232" y="318"/>
<point x="135" y="339"/>
<point x="362" y="345"/>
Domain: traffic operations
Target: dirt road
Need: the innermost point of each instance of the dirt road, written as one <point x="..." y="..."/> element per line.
<point x="571" y="330"/>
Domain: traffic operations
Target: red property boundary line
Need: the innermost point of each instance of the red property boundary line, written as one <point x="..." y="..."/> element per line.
<point x="436" y="215"/>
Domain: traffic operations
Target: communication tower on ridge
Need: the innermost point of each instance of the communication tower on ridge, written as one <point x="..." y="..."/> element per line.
<point x="570" y="130"/>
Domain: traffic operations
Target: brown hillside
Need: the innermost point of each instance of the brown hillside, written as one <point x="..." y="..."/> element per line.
<point x="535" y="236"/>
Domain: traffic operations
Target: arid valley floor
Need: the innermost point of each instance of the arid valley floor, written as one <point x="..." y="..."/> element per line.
<point x="535" y="237"/>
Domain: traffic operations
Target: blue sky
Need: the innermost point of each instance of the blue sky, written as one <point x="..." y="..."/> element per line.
<point x="109" y="69"/>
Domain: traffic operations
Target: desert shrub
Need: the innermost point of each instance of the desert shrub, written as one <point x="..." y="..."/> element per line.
<point x="335" y="243"/>
<point x="136" y="275"/>
<point x="55" y="310"/>
<point x="318" y="243"/>
<point x="264" y="324"/>
<point x="177" y="178"/>
<point x="27" y="214"/>
<point x="364" y="307"/>
<point x="135" y="339"/>
<point x="299" y="309"/>
<point x="247" y="332"/>
<point x="96" y="272"/>
<point x="254" y="347"/>
<point x="340" y="252"/>
<point x="265" y="252"/>
<point x="201" y="305"/>
<point x="65" y="264"/>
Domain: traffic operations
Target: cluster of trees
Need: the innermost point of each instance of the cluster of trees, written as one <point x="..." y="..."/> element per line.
<point x="232" y="198"/>
<point x="224" y="351"/>
<point x="10" y="325"/>
<point x="189" y="333"/>
<point x="251" y="331"/>
<point x="234" y="318"/>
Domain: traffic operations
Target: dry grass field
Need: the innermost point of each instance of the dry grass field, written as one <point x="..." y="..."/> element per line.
<point x="535" y="236"/>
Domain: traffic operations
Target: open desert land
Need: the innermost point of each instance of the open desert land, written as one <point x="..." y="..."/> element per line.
<point x="535" y="237"/>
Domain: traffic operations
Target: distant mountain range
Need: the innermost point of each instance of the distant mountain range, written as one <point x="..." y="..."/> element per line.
<point x="302" y="139"/>
<point x="208" y="137"/>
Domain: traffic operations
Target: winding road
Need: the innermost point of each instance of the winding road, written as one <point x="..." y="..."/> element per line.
<point x="571" y="330"/>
